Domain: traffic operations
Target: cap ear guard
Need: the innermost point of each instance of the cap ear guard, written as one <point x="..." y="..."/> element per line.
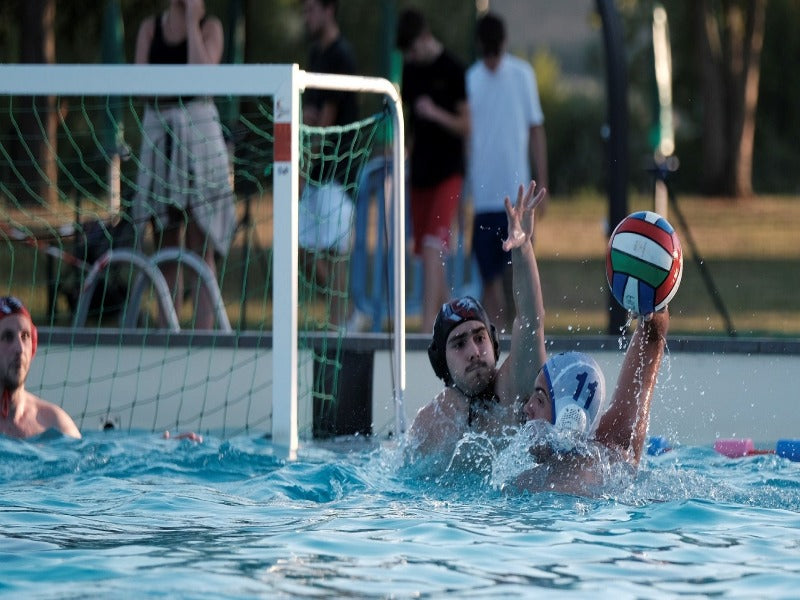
<point x="577" y="391"/>
<point x="495" y="340"/>
<point x="439" y="363"/>
<point x="34" y="338"/>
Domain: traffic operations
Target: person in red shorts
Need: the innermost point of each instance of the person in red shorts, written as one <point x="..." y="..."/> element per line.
<point x="434" y="91"/>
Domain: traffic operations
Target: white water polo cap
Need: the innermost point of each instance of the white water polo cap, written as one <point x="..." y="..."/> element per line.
<point x="577" y="390"/>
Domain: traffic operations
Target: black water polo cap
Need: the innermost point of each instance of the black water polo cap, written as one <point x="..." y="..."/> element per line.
<point x="451" y="315"/>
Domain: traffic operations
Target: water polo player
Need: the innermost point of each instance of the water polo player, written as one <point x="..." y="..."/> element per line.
<point x="479" y="395"/>
<point x="23" y="414"/>
<point x="570" y="394"/>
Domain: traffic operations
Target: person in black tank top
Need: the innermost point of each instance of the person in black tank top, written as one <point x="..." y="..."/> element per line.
<point x="165" y="53"/>
<point x="200" y="216"/>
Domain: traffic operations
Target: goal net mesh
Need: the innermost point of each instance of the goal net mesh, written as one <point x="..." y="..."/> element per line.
<point x="83" y="178"/>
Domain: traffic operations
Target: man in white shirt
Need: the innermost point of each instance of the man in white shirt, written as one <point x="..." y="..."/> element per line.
<point x="507" y="132"/>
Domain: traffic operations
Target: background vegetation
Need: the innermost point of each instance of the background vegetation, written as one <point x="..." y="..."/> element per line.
<point x="575" y="114"/>
<point x="748" y="242"/>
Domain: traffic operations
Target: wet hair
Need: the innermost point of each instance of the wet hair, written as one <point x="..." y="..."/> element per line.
<point x="410" y="26"/>
<point x="9" y="305"/>
<point x="451" y="315"/>
<point x="491" y="35"/>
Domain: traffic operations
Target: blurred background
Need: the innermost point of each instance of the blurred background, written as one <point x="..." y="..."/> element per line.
<point x="736" y="160"/>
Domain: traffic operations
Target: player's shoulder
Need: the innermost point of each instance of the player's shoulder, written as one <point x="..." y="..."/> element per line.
<point x="52" y="416"/>
<point x="43" y="407"/>
<point x="445" y="405"/>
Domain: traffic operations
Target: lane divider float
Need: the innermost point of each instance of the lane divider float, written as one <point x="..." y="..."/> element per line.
<point x="733" y="447"/>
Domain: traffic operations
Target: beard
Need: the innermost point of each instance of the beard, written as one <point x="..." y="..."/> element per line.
<point x="14" y="376"/>
<point x="477" y="378"/>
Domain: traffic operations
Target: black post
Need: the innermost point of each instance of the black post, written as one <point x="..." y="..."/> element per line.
<point x="342" y="394"/>
<point x="386" y="40"/>
<point x="617" y="138"/>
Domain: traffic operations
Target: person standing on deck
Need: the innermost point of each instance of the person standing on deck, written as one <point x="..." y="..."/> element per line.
<point x="434" y="90"/>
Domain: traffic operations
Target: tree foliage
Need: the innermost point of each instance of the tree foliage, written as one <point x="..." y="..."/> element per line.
<point x="708" y="136"/>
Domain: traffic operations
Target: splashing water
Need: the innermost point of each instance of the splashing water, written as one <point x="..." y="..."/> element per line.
<point x="119" y="514"/>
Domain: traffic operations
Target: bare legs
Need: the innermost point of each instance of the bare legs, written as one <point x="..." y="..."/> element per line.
<point x="191" y="237"/>
<point x="435" y="290"/>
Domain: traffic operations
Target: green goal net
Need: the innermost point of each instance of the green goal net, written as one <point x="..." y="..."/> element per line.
<point x="148" y="233"/>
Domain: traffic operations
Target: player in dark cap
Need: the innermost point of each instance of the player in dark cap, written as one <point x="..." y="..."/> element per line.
<point x="480" y="394"/>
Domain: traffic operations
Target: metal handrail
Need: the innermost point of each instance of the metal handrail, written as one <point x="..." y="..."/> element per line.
<point x="199" y="266"/>
<point x="146" y="268"/>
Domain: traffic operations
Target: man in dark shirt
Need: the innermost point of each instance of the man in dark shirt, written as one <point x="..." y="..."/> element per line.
<point x="434" y="92"/>
<point x="326" y="208"/>
<point x="330" y="53"/>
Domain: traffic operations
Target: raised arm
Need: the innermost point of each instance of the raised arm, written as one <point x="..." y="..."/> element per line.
<point x="518" y="373"/>
<point x="205" y="40"/>
<point x="458" y="122"/>
<point x="623" y="426"/>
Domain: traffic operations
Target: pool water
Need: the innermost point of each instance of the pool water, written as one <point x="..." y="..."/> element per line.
<point x="132" y="515"/>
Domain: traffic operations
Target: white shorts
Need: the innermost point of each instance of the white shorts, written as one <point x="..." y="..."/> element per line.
<point x="325" y="218"/>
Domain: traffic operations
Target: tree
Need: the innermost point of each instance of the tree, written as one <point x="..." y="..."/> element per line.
<point x="36" y="152"/>
<point x="730" y="37"/>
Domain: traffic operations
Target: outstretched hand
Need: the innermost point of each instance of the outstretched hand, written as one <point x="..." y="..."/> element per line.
<point x="188" y="435"/>
<point x="520" y="215"/>
<point x="657" y="323"/>
<point x="195" y="11"/>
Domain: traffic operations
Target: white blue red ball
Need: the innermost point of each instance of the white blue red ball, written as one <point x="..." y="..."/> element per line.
<point x="644" y="262"/>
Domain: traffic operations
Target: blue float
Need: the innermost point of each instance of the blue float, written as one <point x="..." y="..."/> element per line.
<point x="788" y="449"/>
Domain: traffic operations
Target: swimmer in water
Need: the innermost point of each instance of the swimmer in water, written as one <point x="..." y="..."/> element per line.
<point x="480" y="395"/>
<point x="570" y="394"/>
<point x="22" y="414"/>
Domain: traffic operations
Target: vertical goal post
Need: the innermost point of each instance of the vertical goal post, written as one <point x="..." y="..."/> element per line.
<point x="285" y="84"/>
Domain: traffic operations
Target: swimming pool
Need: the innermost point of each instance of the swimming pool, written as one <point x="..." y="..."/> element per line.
<point x="133" y="515"/>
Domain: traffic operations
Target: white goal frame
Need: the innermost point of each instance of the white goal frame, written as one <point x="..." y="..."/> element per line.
<point x="284" y="83"/>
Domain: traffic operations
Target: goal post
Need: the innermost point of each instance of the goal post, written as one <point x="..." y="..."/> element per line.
<point x="284" y="84"/>
<point x="383" y="86"/>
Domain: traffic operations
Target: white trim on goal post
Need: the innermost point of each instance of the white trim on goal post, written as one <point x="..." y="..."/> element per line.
<point x="285" y="184"/>
<point x="284" y="83"/>
<point x="377" y="85"/>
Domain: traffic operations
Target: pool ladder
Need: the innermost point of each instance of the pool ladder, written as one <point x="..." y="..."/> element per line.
<point x="148" y="269"/>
